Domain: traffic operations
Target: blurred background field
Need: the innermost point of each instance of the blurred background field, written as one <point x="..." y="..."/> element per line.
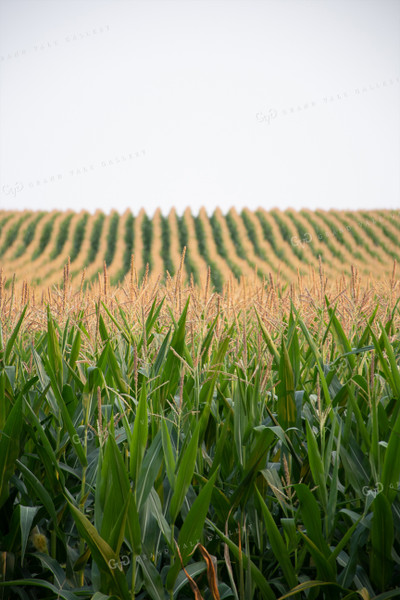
<point x="279" y="245"/>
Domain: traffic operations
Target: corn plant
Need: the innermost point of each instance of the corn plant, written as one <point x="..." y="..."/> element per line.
<point x="147" y="458"/>
<point x="111" y="239"/>
<point x="216" y="276"/>
<point x="28" y="235"/>
<point x="95" y="238"/>
<point x="62" y="236"/>
<point x="166" y="246"/>
<point x="220" y="245"/>
<point x="45" y="237"/>
<point x="78" y="237"/>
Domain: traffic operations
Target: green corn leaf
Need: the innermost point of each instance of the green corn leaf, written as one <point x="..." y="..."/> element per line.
<point x="184" y="476"/>
<point x="207" y="390"/>
<point x="344" y="540"/>
<point x="295" y="354"/>
<point x="391" y="463"/>
<point x="316" y="465"/>
<point x="255" y="462"/>
<point x="139" y="435"/>
<point x="160" y="358"/>
<point x="118" y="499"/>
<point x="153" y="315"/>
<point x="125" y="332"/>
<point x="366" y="333"/>
<point x="26" y="516"/>
<point x="117" y="534"/>
<point x="286" y="404"/>
<point x="191" y="530"/>
<point x="239" y="425"/>
<point x="52" y="565"/>
<point x="152" y="579"/>
<point x="308" y="585"/>
<point x="42" y="583"/>
<point x="194" y="569"/>
<point x="331" y="509"/>
<point x="257" y="576"/>
<point x="75" y="349"/>
<point x="13" y="336"/>
<point x="394" y="369"/>
<point x="156" y="511"/>
<point x="10" y="447"/>
<point x="116" y="371"/>
<point x="391" y="374"/>
<point x="40" y="433"/>
<point x="205" y="345"/>
<point x="382" y="539"/>
<point x="172" y="365"/>
<point x="40" y="493"/>
<point x="46" y="386"/>
<point x="168" y="454"/>
<point x="325" y="570"/>
<point x="150" y="468"/>
<point x="64" y="412"/>
<point x="102" y="553"/>
<point x="268" y="340"/>
<point x="311" y="516"/>
<point x="318" y="359"/>
<point x="341" y="338"/>
<point x="53" y="350"/>
<point x="102" y="328"/>
<point x="388" y="595"/>
<point x="221" y="445"/>
<point x="359" y="418"/>
<point x="277" y="544"/>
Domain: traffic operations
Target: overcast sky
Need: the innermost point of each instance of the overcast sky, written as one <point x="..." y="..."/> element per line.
<point x="131" y="103"/>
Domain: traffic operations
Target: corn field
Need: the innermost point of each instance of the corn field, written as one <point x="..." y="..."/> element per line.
<point x="34" y="245"/>
<point x="167" y="441"/>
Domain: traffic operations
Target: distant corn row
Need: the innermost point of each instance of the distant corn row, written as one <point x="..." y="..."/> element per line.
<point x="169" y="441"/>
<point x="34" y="246"/>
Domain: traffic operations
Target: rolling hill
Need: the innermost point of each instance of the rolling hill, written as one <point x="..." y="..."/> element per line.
<point x="36" y="245"/>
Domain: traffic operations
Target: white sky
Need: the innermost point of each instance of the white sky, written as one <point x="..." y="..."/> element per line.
<point x="186" y="100"/>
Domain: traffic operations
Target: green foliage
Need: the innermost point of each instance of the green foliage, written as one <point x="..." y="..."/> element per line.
<point x="147" y="238"/>
<point x="184" y="242"/>
<point x="166" y="246"/>
<point x="4" y="221"/>
<point x="95" y="238"/>
<point x="28" y="235"/>
<point x="251" y="232"/>
<point x="328" y="228"/>
<point x="377" y="241"/>
<point x="233" y="230"/>
<point x="287" y="236"/>
<point x="12" y="234"/>
<point x="78" y="238"/>
<point x="305" y="236"/>
<point x="323" y="236"/>
<point x="129" y="240"/>
<point x="359" y="240"/>
<point x="216" y="276"/>
<point x="386" y="232"/>
<point x="221" y="249"/>
<point x="278" y="453"/>
<point x="62" y="236"/>
<point x="338" y="234"/>
<point x="269" y="235"/>
<point x="45" y="236"/>
<point x="392" y="218"/>
<point x="111" y="239"/>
